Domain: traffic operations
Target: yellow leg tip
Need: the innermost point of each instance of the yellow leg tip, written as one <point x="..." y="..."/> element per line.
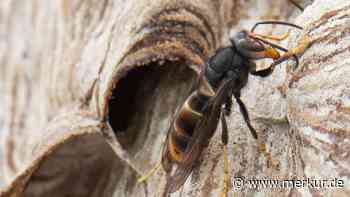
<point x="150" y="173"/>
<point x="226" y="173"/>
<point x="262" y="148"/>
<point x="303" y="44"/>
<point x="271" y="162"/>
<point x="275" y="164"/>
<point x="142" y="179"/>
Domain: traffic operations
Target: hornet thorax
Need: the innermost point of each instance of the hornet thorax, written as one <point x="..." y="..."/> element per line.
<point x="225" y="60"/>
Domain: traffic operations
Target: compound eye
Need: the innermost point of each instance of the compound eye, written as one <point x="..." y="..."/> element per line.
<point x="250" y="45"/>
<point x="242" y="34"/>
<point x="239" y="37"/>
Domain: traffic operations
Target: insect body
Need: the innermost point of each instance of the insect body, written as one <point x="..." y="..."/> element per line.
<point x="223" y="76"/>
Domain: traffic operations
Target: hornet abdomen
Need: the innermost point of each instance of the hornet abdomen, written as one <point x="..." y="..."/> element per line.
<point x="186" y="119"/>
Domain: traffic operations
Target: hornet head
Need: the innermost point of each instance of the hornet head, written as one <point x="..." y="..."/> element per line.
<point x="250" y="46"/>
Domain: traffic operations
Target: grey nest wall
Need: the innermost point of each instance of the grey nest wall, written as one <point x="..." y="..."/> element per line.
<point x="67" y="68"/>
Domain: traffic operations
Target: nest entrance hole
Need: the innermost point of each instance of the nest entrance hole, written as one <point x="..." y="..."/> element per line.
<point x="145" y="98"/>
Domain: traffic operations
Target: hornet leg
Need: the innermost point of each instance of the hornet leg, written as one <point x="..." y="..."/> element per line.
<point x="263" y="73"/>
<point x="245" y="114"/>
<point x="262" y="146"/>
<point x="302" y="46"/>
<point x="262" y="38"/>
<point x="150" y="173"/>
<point x="224" y="139"/>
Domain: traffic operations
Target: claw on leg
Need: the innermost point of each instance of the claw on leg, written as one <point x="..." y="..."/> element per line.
<point x="303" y="44"/>
<point x="226" y="173"/>
<point x="150" y="173"/>
<point x="271" y="162"/>
<point x="294" y="52"/>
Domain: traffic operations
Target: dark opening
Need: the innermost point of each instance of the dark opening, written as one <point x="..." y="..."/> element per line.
<point x="147" y="93"/>
<point x="123" y="102"/>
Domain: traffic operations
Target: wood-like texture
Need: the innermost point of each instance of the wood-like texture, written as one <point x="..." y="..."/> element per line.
<point x="65" y="66"/>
